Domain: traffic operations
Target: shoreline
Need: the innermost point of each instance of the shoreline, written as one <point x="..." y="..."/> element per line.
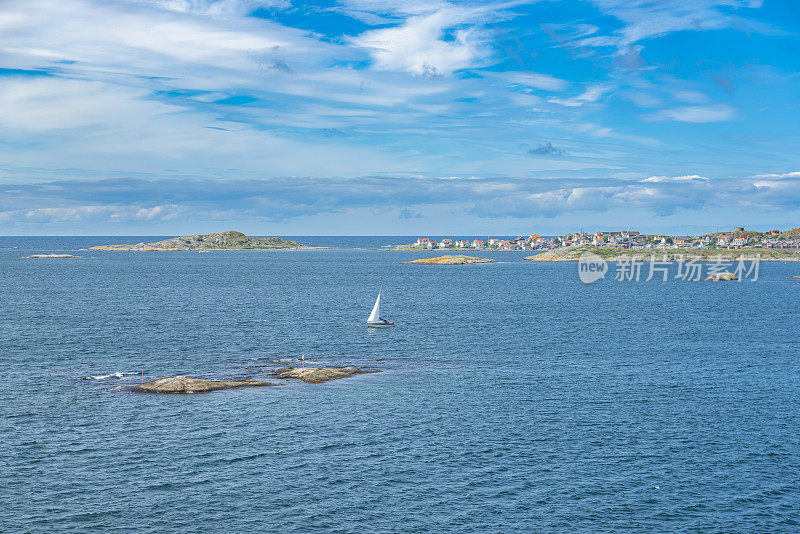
<point x="573" y="254"/>
<point x="452" y="249"/>
<point x="122" y="248"/>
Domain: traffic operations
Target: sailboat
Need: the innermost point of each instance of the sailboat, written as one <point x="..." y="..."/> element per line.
<point x="375" y="318"/>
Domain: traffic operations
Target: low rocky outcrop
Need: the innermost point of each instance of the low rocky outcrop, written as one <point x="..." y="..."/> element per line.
<point x="722" y="277"/>
<point x="315" y="375"/>
<point x="52" y="256"/>
<point x="562" y="254"/>
<point x="452" y="259"/>
<point x="185" y="384"/>
<point x="218" y="241"/>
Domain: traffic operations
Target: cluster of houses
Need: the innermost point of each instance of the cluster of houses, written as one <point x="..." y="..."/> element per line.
<point x="619" y="239"/>
<point x="533" y="242"/>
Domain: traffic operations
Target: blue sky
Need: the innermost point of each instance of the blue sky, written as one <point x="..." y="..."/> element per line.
<point x="385" y="117"/>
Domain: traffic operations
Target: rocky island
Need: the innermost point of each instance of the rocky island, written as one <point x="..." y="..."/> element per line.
<point x="316" y="375"/>
<point x="452" y="259"/>
<point x="185" y="384"/>
<point x="219" y="241"/>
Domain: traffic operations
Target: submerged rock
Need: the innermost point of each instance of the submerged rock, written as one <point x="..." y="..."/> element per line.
<point x="185" y="384"/>
<point x="722" y="277"/>
<point x="452" y="259"/>
<point x="315" y="375"/>
<point x="52" y="256"/>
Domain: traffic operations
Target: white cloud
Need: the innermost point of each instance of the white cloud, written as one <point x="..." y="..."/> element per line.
<point x="164" y="212"/>
<point x="539" y="81"/>
<point x="128" y="38"/>
<point x="692" y="97"/>
<point x="92" y="213"/>
<point x="116" y="127"/>
<point x="788" y="181"/>
<point x="418" y="47"/>
<point x="643" y="99"/>
<point x="645" y="19"/>
<point x="140" y="86"/>
<point x="687" y="178"/>
<point x="793" y="174"/>
<point x="696" y="114"/>
<point x="215" y="7"/>
<point x="280" y="199"/>
<point x="593" y="93"/>
<point x="47" y="104"/>
<point x="397" y="8"/>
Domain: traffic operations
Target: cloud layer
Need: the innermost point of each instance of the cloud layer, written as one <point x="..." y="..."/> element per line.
<point x="273" y="110"/>
<point x="118" y="201"/>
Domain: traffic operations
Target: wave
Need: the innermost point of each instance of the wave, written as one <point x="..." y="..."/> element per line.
<point x="117" y="375"/>
<point x="288" y="360"/>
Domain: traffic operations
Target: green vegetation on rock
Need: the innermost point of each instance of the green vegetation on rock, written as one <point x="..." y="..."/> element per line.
<point x="219" y="241"/>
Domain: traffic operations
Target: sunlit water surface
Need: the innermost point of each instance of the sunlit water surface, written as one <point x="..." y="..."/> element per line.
<point x="513" y="398"/>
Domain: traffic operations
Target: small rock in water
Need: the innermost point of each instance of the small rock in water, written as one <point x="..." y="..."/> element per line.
<point x="315" y="375"/>
<point x="721" y="277"/>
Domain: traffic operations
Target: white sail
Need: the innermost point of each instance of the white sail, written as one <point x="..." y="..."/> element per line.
<point x="374" y="317"/>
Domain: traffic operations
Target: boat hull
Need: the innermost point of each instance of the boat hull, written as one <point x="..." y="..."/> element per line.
<point x="380" y="325"/>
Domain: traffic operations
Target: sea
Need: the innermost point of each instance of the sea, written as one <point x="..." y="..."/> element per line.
<point x="511" y="398"/>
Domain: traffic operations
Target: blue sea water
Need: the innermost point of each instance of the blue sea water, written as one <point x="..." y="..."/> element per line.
<point x="513" y="398"/>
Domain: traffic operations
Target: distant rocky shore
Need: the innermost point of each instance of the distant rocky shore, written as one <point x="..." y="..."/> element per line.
<point x="574" y="253"/>
<point x="452" y="259"/>
<point x="219" y="241"/>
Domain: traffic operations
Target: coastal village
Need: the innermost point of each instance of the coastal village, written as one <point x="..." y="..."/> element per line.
<point x="623" y="239"/>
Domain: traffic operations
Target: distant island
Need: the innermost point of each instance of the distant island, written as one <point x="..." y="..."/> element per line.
<point x="219" y="241"/>
<point x="574" y="253"/>
<point x="452" y="259"/>
<point x="773" y="245"/>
